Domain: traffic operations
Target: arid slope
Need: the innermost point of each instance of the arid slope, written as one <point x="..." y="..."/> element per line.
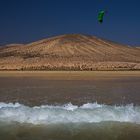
<point x="70" y="52"/>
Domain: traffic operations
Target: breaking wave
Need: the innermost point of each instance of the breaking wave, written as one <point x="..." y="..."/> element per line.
<point x="68" y="113"/>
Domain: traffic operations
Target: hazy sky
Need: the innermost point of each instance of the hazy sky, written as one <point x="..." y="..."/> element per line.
<point x="23" y="21"/>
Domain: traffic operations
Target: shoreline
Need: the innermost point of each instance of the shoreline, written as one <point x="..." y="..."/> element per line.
<point x="79" y="75"/>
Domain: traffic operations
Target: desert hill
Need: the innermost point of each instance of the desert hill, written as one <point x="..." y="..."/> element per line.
<point x="70" y="52"/>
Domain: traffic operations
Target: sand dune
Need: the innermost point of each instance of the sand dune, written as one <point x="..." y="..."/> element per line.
<point x="70" y="52"/>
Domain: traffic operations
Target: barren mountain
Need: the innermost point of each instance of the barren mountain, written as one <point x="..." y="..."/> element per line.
<point x="70" y="52"/>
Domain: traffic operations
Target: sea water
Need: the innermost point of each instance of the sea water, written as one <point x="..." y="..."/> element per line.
<point x="33" y="108"/>
<point x="89" y="121"/>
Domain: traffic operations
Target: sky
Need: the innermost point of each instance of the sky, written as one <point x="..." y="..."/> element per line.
<point x="25" y="21"/>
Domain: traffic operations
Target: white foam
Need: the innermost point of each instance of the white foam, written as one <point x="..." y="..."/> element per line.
<point x="89" y="113"/>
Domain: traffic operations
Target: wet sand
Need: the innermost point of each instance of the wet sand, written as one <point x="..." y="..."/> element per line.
<point x="60" y="87"/>
<point x="70" y="75"/>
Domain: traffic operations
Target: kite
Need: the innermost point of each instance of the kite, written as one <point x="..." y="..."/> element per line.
<point x="101" y="16"/>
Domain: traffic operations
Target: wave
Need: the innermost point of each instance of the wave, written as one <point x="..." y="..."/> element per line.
<point x="68" y="113"/>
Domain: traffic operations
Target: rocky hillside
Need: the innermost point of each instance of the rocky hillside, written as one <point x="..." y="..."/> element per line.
<point x="70" y="52"/>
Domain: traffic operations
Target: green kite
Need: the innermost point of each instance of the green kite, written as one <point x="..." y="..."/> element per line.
<point x="101" y="16"/>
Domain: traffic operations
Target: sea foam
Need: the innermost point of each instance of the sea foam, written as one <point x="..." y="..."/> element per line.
<point x="68" y="113"/>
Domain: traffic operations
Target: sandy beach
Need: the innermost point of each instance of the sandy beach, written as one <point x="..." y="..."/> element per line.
<point x="70" y="75"/>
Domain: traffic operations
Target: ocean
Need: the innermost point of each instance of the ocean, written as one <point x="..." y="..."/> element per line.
<point x="89" y="121"/>
<point x="36" y="108"/>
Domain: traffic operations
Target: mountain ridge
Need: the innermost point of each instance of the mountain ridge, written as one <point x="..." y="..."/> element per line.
<point x="70" y="52"/>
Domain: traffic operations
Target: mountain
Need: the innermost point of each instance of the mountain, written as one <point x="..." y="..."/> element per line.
<point x="70" y="52"/>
